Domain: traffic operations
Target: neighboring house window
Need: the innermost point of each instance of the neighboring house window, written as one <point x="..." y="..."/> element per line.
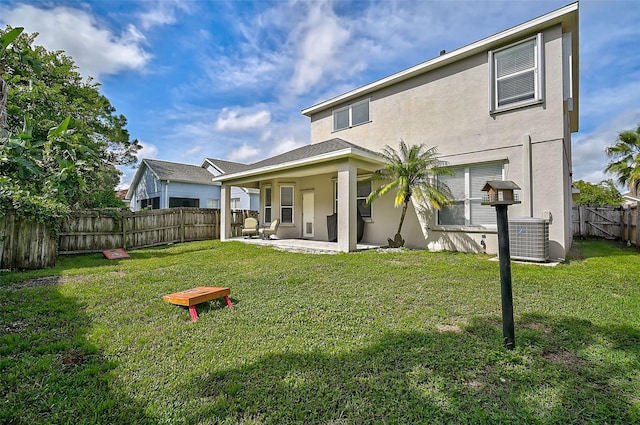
<point x="235" y="203"/>
<point x="351" y="115"/>
<point x="153" y="203"/>
<point x="267" y="204"/>
<point x="466" y="186"/>
<point x="213" y="203"/>
<point x="364" y="189"/>
<point x="516" y="74"/>
<point x="184" y="202"/>
<point x="286" y="204"/>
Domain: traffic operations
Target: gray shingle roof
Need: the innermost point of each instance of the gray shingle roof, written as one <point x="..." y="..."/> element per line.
<point x="166" y="170"/>
<point x="307" y="151"/>
<point x="227" y="167"/>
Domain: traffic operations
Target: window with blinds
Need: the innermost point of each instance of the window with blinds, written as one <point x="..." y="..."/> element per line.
<point x="267" y="204"/>
<point x="466" y="187"/>
<point x="286" y="204"/>
<point x="516" y="74"/>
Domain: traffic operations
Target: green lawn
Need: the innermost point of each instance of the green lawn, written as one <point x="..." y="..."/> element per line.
<point x="373" y="337"/>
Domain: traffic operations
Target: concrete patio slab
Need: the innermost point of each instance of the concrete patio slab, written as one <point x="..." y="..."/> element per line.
<point x="302" y="245"/>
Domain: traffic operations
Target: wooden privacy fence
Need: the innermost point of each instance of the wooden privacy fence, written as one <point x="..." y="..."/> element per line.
<point x="98" y="230"/>
<point x="25" y="244"/>
<point x="607" y="222"/>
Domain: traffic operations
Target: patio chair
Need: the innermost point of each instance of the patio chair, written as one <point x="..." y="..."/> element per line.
<point x="266" y="232"/>
<point x="250" y="227"/>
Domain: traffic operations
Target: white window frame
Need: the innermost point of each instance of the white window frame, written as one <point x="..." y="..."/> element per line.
<point x="292" y="206"/>
<point x="268" y="202"/>
<point x="538" y="70"/>
<point x="235" y="203"/>
<point x="358" y="198"/>
<point x="468" y="199"/>
<point x="349" y="108"/>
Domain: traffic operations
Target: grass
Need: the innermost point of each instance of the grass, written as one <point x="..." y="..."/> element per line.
<point x="409" y="337"/>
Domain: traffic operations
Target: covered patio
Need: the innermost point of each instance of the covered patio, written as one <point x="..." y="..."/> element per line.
<point x="302" y="188"/>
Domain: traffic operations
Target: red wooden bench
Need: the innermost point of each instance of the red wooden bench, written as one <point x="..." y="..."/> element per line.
<point x="192" y="297"/>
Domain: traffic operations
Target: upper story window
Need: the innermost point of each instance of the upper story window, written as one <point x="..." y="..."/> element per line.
<point x="516" y="74"/>
<point x="466" y="186"/>
<point x="351" y="115"/>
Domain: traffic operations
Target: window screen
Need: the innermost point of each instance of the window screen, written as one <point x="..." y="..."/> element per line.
<point x="286" y="204"/>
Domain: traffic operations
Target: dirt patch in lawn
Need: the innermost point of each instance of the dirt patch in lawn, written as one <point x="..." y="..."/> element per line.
<point x="565" y="358"/>
<point x="42" y="281"/>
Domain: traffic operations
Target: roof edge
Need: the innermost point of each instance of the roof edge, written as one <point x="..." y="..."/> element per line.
<point x="346" y="152"/>
<point x="556" y="16"/>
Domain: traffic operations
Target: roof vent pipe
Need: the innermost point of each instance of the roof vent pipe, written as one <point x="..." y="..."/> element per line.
<point x="442" y="52"/>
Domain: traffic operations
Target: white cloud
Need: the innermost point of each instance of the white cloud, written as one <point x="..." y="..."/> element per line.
<point x="194" y="150"/>
<point x="323" y="38"/>
<point x="95" y="49"/>
<point x="589" y="157"/>
<point x="284" y="146"/>
<point x="148" y="151"/>
<point x="244" y="154"/>
<point x="161" y="13"/>
<point x="242" y="120"/>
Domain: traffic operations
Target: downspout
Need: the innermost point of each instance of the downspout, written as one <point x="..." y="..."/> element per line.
<point x="166" y="194"/>
<point x="527" y="174"/>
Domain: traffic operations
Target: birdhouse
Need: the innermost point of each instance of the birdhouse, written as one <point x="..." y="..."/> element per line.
<point x="500" y="192"/>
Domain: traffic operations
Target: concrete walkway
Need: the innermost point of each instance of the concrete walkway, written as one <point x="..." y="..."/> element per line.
<point x="302" y="245"/>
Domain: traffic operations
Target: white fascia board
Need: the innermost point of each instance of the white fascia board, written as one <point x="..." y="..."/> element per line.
<point x="301" y="162"/>
<point x="544" y="21"/>
<point x="137" y="177"/>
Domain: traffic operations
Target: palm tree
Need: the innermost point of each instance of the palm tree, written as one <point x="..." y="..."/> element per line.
<point x="625" y="157"/>
<point x="412" y="171"/>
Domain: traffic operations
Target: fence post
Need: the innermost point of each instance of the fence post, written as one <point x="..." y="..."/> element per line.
<point x="181" y="226"/>
<point x="3" y="235"/>
<point x="583" y="227"/>
<point x="637" y="225"/>
<point x="124" y="230"/>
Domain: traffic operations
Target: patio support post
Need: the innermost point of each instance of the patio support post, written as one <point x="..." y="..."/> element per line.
<point x="347" y="206"/>
<point x="225" y="212"/>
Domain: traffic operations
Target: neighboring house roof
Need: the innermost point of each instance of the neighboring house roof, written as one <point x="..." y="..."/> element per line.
<point x="567" y="16"/>
<point x="170" y="171"/>
<point x="174" y="171"/>
<point x="225" y="167"/>
<point x="305" y="155"/>
<point x="121" y="194"/>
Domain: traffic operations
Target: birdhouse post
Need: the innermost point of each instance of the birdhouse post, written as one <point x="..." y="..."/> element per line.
<point x="500" y="194"/>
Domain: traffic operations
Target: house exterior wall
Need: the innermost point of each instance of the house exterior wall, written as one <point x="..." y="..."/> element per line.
<point x="449" y="108"/>
<point x="148" y="187"/>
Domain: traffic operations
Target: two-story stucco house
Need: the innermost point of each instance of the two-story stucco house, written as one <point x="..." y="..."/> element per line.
<point x="502" y="108"/>
<point x="163" y="184"/>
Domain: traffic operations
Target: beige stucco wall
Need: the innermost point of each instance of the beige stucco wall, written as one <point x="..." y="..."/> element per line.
<point x="449" y="108"/>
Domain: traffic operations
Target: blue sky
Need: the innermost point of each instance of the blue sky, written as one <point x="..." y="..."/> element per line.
<point x="228" y="79"/>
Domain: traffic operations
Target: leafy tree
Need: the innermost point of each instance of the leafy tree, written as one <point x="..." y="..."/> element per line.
<point x="412" y="171"/>
<point x="625" y="157"/>
<point x="74" y="162"/>
<point x="603" y="193"/>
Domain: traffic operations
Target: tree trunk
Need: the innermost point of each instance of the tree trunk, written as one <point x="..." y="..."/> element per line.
<point x="397" y="241"/>
<point x="404" y="211"/>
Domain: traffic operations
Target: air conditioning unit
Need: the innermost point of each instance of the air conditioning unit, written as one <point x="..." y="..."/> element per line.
<point x="529" y="239"/>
